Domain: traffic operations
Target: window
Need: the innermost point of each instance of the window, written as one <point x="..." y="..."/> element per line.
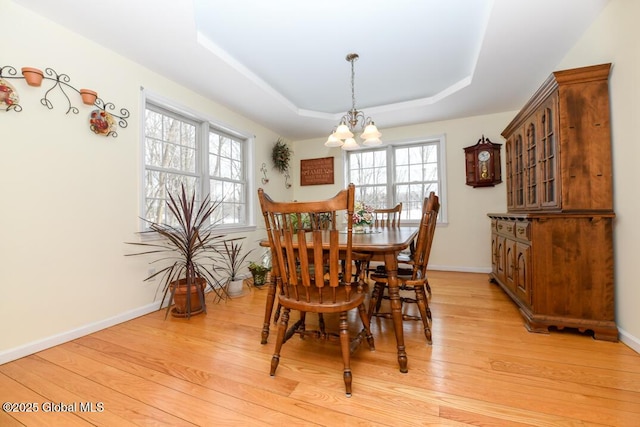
<point x="402" y="172"/>
<point x="182" y="148"/>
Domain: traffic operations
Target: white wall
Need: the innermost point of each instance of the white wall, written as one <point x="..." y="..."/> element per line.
<point x="464" y="243"/>
<point x="614" y="38"/>
<point x="70" y="198"/>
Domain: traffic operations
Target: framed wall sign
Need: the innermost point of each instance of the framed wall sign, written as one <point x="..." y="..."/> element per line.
<point x="316" y="171"/>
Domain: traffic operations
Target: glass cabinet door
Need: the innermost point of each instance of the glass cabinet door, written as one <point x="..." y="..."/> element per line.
<point x="518" y="171"/>
<point x="509" y="172"/>
<point x="548" y="154"/>
<point x="531" y="165"/>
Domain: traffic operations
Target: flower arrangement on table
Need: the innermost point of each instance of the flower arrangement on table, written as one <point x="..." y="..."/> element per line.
<point x="362" y="216"/>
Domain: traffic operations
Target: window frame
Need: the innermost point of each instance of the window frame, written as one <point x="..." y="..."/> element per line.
<point x="205" y="124"/>
<point x="388" y="147"/>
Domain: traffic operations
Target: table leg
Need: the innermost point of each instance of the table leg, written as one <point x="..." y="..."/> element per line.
<point x="391" y="266"/>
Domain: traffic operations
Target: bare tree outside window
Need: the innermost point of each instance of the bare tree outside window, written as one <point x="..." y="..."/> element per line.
<point x="173" y="153"/>
<point x="386" y="176"/>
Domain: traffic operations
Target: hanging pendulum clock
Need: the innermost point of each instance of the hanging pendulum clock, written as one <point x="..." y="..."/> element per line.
<point x="482" y="163"/>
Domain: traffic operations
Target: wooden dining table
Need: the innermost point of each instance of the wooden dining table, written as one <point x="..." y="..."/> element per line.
<point x="386" y="243"/>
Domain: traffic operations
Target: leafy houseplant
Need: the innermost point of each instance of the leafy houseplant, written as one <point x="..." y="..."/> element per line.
<point x="188" y="245"/>
<point x="281" y="156"/>
<point x="230" y="260"/>
<point x="259" y="273"/>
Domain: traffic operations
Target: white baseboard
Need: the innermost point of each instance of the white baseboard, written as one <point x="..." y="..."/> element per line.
<point x="36" y="346"/>
<point x="460" y="269"/>
<point x="628" y="339"/>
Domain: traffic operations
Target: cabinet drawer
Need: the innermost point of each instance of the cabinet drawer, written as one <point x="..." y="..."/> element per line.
<point x="523" y="230"/>
<point x="506" y="228"/>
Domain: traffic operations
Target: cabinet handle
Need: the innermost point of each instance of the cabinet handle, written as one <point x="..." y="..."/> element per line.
<point x="520" y="230"/>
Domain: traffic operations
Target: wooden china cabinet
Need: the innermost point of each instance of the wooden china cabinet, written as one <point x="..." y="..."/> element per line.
<point x="552" y="251"/>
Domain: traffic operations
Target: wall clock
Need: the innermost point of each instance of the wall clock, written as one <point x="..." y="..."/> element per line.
<point x="482" y="162"/>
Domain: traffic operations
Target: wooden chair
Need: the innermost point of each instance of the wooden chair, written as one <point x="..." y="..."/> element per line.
<point x="388" y="217"/>
<point x="413" y="278"/>
<point x="312" y="277"/>
<point x="383" y="217"/>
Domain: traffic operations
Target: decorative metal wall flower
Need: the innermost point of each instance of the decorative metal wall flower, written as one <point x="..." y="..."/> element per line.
<point x="263" y="169"/>
<point x="281" y="156"/>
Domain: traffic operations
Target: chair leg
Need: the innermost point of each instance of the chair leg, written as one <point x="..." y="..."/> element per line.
<point x="282" y="329"/>
<point x="376" y="298"/>
<point x="346" y="351"/>
<point x="303" y="326"/>
<point x="276" y="316"/>
<point x="271" y="296"/>
<point x="421" y="299"/>
<point x="364" y="317"/>
<point x="321" y="326"/>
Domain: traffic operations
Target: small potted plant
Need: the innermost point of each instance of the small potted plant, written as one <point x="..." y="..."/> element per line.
<point x="259" y="273"/>
<point x="229" y="263"/>
<point x="188" y="244"/>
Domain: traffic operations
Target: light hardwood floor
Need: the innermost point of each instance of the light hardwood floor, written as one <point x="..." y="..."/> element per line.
<point x="484" y="369"/>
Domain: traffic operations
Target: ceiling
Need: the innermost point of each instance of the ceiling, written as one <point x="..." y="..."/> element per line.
<point x="282" y="63"/>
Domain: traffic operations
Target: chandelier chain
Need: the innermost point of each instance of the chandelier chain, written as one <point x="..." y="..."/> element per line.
<point x="353" y="90"/>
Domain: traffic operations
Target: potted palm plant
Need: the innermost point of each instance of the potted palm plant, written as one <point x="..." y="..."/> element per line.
<point x="188" y="245"/>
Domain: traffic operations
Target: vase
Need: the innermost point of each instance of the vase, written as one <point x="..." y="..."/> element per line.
<point x="88" y="96"/>
<point x="358" y="229"/>
<point x="32" y="76"/>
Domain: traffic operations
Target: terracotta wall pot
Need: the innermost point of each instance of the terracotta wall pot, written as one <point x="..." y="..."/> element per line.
<point x="180" y="298"/>
<point x="32" y="76"/>
<point x="88" y="96"/>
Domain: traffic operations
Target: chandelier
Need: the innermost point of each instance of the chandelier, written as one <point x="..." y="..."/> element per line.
<point x="343" y="135"/>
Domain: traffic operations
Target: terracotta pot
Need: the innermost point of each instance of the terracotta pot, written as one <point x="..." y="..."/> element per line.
<point x="180" y="298"/>
<point x="88" y="96"/>
<point x="32" y="76"/>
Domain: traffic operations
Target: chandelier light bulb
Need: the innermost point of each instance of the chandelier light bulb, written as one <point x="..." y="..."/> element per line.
<point x="332" y="141"/>
<point x="371" y="132"/>
<point x="343" y="132"/>
<point x="350" y="144"/>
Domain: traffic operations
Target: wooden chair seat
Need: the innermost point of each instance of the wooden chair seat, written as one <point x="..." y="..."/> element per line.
<point x="325" y="299"/>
